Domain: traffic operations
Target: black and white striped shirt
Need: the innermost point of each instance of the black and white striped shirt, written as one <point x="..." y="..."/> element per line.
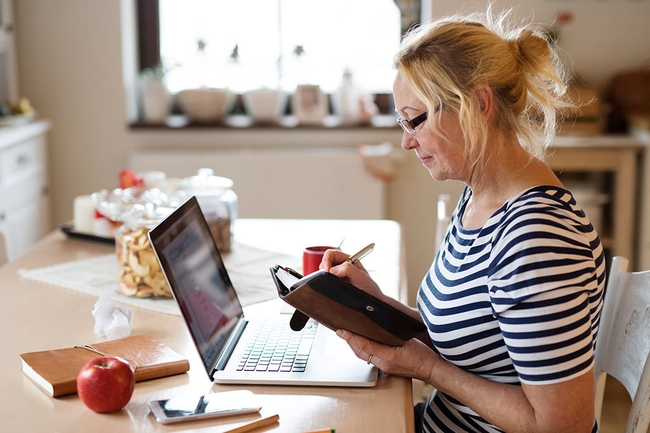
<point x="516" y="301"/>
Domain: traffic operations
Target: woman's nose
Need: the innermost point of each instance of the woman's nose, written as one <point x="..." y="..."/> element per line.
<point x="408" y="141"/>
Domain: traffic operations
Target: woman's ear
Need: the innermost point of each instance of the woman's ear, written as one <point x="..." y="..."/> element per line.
<point x="485" y="99"/>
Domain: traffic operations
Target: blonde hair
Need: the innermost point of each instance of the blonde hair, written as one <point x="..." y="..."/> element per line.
<point x="445" y="60"/>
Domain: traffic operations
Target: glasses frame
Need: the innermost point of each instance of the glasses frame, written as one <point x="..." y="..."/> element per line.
<point x="409" y="125"/>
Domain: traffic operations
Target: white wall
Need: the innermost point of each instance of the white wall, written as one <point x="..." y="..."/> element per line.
<point x="605" y="36"/>
<point x="71" y="67"/>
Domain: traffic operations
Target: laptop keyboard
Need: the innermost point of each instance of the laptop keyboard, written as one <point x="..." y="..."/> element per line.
<point x="276" y="347"/>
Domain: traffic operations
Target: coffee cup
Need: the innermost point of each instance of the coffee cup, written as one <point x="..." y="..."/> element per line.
<point x="311" y="258"/>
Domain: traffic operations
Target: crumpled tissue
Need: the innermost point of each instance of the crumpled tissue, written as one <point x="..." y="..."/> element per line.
<point x="112" y="319"/>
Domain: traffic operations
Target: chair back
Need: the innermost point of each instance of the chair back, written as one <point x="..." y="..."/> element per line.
<point x="624" y="341"/>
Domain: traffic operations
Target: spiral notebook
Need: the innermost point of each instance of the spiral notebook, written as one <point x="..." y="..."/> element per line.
<point x="209" y="304"/>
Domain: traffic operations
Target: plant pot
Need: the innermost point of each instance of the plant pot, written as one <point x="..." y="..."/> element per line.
<point x="205" y="104"/>
<point x="265" y="105"/>
<point x="156" y="101"/>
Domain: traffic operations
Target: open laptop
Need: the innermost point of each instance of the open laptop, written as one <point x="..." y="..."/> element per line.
<point x="209" y="304"/>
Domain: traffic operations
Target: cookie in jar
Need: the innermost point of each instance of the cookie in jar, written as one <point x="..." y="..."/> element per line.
<point x="140" y="274"/>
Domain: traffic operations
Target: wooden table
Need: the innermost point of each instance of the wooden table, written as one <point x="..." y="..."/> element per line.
<point x="38" y="316"/>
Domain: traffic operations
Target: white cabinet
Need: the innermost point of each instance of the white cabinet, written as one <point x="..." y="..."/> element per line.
<point x="322" y="183"/>
<point x="24" y="198"/>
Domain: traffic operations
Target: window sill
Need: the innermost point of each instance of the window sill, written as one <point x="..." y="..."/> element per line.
<point x="242" y="122"/>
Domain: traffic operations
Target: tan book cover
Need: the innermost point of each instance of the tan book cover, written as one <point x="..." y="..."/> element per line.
<point x="56" y="370"/>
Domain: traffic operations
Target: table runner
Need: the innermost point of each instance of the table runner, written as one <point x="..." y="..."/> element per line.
<point x="248" y="268"/>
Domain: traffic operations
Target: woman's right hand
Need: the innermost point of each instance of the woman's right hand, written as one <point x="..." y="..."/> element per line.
<point x="334" y="262"/>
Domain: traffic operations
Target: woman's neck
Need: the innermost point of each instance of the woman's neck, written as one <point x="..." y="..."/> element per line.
<point x="508" y="171"/>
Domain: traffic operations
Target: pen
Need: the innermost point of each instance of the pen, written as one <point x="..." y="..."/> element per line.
<point x="327" y="430"/>
<point x="361" y="254"/>
<point x="290" y="271"/>
<point x="255" y="424"/>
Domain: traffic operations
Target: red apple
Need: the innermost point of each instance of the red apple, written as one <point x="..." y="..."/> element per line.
<point x="105" y="384"/>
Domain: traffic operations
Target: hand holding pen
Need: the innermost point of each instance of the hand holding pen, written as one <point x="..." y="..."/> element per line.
<point x="332" y="258"/>
<point x="361" y="254"/>
<point x="359" y="276"/>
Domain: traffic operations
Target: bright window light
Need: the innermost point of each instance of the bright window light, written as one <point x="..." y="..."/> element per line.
<point x="248" y="44"/>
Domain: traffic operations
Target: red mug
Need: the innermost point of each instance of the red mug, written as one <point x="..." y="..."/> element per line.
<point x="311" y="258"/>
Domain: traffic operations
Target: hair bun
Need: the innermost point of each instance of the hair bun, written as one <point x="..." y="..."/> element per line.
<point x="529" y="45"/>
<point x="513" y="45"/>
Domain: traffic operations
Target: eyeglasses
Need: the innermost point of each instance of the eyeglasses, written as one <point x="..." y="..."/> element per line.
<point x="410" y="125"/>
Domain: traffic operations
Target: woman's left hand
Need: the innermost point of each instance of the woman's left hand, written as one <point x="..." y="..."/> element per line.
<point x="414" y="359"/>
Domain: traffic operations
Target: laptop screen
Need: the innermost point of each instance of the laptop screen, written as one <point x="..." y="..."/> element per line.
<point x="197" y="276"/>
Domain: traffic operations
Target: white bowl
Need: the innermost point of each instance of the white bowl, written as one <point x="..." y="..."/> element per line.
<point x="265" y="105"/>
<point x="205" y="104"/>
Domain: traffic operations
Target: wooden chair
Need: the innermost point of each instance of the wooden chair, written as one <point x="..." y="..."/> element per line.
<point x="624" y="341"/>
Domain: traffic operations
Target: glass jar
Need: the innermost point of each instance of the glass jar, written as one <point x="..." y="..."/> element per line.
<point x="138" y="210"/>
<point x="139" y="270"/>
<point x="218" y="203"/>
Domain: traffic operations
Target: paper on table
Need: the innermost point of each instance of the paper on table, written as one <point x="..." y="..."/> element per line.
<point x="247" y="267"/>
<point x="112" y="319"/>
<point x="95" y="277"/>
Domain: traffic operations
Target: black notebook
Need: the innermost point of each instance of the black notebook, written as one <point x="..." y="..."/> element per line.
<point x="338" y="304"/>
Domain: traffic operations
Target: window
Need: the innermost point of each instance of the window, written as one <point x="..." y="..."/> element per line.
<point x="247" y="44"/>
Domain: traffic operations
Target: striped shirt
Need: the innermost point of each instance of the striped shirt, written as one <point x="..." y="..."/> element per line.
<point x="516" y="301"/>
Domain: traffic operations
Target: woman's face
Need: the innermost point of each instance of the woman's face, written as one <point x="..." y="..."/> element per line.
<point x="444" y="157"/>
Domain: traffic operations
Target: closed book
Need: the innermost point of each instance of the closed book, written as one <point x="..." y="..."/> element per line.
<point x="56" y="370"/>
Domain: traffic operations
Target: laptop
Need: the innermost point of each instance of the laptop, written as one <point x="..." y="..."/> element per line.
<point x="222" y="334"/>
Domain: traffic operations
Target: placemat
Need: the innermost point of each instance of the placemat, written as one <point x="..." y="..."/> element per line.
<point x="248" y="268"/>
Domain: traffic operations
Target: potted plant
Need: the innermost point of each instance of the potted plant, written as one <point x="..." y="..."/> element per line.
<point x="156" y="99"/>
<point x="265" y="104"/>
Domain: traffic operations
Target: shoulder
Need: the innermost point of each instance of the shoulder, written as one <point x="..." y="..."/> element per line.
<point x="543" y="229"/>
<point x="543" y="213"/>
<point x="543" y="241"/>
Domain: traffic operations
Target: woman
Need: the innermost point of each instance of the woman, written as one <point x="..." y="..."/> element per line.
<point x="512" y="301"/>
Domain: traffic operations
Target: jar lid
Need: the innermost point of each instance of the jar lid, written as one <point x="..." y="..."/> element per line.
<point x="205" y="182"/>
<point x="137" y="203"/>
